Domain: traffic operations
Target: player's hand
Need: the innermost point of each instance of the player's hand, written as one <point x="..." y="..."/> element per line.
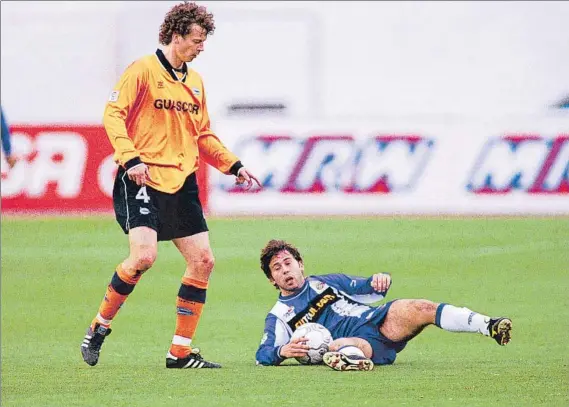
<point x="247" y="178"/>
<point x="380" y="282"/>
<point x="11" y="160"/>
<point x="139" y="174"/>
<point x="295" y="348"/>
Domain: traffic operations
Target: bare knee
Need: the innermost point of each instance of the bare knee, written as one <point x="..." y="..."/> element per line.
<point x="144" y="258"/>
<point x="200" y="265"/>
<point x="204" y="261"/>
<point x="407" y="318"/>
<point x="424" y="310"/>
<point x="208" y="261"/>
<point x="143" y="248"/>
<point x="424" y="306"/>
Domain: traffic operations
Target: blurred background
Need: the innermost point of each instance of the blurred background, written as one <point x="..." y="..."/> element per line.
<point x="341" y="108"/>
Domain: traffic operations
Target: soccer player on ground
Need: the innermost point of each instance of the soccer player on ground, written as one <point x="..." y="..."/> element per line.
<point x="157" y="121"/>
<point x="339" y="302"/>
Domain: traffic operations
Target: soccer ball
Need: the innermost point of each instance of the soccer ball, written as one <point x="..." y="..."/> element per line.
<point x="319" y="338"/>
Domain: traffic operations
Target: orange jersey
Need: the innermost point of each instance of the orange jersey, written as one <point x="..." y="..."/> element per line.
<point x="159" y="117"/>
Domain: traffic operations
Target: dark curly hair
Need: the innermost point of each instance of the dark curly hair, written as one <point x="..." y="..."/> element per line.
<point x="180" y="18"/>
<point x="274" y="247"/>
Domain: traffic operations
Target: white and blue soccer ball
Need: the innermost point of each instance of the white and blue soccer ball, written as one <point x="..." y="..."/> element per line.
<point x="319" y="339"/>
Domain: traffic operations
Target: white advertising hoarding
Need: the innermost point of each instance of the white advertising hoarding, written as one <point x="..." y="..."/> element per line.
<point x="412" y="166"/>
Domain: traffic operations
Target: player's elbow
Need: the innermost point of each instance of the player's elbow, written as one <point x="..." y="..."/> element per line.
<point x="112" y="117"/>
<point x="265" y="363"/>
<point x="109" y="123"/>
<point x="262" y="359"/>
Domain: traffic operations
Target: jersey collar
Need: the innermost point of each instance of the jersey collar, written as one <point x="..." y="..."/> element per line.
<point x="162" y="58"/>
<point x="299" y="291"/>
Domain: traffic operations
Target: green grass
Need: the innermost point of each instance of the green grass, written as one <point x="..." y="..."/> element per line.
<point x="54" y="274"/>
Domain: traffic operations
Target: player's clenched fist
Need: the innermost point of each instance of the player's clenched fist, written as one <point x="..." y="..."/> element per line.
<point x="380" y="282"/>
<point x="295" y="348"/>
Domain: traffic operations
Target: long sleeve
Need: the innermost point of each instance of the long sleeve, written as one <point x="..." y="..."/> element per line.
<point x="6" y="142"/>
<point x="213" y="152"/>
<point x="121" y="102"/>
<point x="211" y="149"/>
<point x="275" y="336"/>
<point x="358" y="288"/>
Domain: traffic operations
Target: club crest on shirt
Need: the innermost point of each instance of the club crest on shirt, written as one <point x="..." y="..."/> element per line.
<point x="289" y="313"/>
<point x="196" y="91"/>
<point x="114" y="96"/>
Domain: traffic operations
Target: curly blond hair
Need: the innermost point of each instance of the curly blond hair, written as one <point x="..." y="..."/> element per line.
<point x="180" y="19"/>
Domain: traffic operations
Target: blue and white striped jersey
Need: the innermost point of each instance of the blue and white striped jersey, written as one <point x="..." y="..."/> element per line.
<point x="337" y="301"/>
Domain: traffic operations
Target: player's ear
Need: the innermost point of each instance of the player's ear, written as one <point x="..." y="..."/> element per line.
<point x="301" y="265"/>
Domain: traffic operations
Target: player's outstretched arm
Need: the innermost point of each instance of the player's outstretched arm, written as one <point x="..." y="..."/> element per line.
<point x="213" y="152"/>
<point x="355" y="285"/>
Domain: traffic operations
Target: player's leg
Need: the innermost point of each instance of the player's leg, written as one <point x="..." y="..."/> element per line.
<point x="143" y="249"/>
<point x="461" y="319"/>
<point x="359" y="343"/>
<point x="190" y="301"/>
<point x="349" y="354"/>
<point x="407" y="318"/>
<point x="136" y="213"/>
<point x="192" y="292"/>
<point x="188" y="231"/>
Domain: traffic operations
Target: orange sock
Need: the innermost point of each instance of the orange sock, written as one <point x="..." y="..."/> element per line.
<point x="118" y="290"/>
<point x="109" y="307"/>
<point x="189" y="306"/>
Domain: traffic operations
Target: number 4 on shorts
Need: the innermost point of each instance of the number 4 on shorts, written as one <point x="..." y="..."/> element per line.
<point x="142" y="194"/>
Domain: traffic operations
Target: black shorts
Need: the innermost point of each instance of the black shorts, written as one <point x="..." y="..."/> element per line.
<point x="171" y="215"/>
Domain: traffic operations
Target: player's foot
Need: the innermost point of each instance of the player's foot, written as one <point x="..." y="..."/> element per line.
<point x="500" y="329"/>
<point x="92" y="343"/>
<point x="193" y="361"/>
<point x="341" y="362"/>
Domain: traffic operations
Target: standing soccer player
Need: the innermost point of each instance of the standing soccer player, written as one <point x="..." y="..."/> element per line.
<point x="157" y="121"/>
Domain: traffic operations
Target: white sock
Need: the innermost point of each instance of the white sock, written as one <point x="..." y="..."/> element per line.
<point x="350" y="350"/>
<point x="454" y="319"/>
<point x="180" y="340"/>
<point x="105" y="322"/>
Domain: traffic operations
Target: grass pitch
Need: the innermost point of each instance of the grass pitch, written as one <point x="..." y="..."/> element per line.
<point x="54" y="274"/>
